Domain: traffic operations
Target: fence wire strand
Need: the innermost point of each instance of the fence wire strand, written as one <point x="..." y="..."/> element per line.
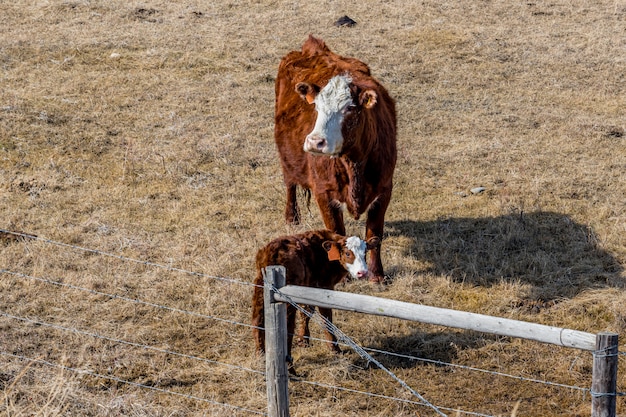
<point x="465" y="367"/>
<point x="125" y="258"/>
<point x="343" y="339"/>
<point x="295" y="379"/>
<point x="123" y="298"/>
<point x="410" y="357"/>
<point x="385" y="397"/>
<point x="131" y="383"/>
<point x="125" y="342"/>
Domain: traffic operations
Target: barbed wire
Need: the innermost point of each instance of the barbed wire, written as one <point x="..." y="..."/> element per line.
<point x="385" y="397"/>
<point x="126" y="258"/>
<point x="124" y="298"/>
<point x="459" y="366"/>
<point x="232" y="281"/>
<point x="205" y="316"/>
<point x="296" y="379"/>
<point x="125" y="342"/>
<point x="135" y="384"/>
<point x="338" y="388"/>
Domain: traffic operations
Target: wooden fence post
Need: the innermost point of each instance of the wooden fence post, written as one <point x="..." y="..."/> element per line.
<point x="276" y="374"/>
<point x="604" y="376"/>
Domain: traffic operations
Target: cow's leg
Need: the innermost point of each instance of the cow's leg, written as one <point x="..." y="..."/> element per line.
<point x="332" y="214"/>
<point x="374" y="227"/>
<point x="291" y="324"/>
<point x="303" y="334"/>
<point x="327" y="313"/>
<point x="258" y="319"/>
<point x="292" y="213"/>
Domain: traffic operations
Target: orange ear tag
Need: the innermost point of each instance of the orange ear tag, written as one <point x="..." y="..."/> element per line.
<point x="333" y="253"/>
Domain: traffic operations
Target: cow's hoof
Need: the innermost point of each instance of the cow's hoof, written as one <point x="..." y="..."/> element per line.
<point x="303" y="343"/>
<point x="378" y="285"/>
<point x="377" y="279"/>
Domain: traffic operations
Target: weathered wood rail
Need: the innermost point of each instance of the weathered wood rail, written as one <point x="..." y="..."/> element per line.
<point x="603" y="345"/>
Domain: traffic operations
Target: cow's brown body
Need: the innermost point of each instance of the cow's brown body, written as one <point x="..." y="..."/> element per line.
<point x="306" y="260"/>
<point x="360" y="175"/>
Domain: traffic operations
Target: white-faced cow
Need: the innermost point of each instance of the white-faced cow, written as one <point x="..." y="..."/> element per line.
<point x="335" y="130"/>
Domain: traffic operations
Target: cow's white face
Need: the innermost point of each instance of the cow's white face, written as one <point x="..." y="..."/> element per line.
<point x="331" y="104"/>
<point x="358" y="268"/>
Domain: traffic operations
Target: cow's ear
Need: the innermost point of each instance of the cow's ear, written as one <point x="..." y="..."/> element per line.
<point x="372" y="243"/>
<point x="368" y="98"/>
<point x="307" y="91"/>
<point x="332" y="250"/>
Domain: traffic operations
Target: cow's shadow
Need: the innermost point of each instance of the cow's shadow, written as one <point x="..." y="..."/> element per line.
<point x="557" y="257"/>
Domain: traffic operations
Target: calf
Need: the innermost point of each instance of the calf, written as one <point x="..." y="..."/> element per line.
<point x="319" y="259"/>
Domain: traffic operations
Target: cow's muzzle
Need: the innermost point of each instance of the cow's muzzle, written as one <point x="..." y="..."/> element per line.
<point x="316" y="144"/>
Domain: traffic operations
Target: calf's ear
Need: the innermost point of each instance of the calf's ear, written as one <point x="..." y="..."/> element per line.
<point x="307" y="91"/>
<point x="332" y="250"/>
<point x="368" y="98"/>
<point x="372" y="243"/>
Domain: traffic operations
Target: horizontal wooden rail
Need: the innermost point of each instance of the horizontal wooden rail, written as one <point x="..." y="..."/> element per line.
<point x="439" y="316"/>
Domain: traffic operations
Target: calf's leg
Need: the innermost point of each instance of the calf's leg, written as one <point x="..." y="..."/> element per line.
<point x="331" y="340"/>
<point x="258" y="320"/>
<point x="303" y="333"/>
<point x="291" y="324"/>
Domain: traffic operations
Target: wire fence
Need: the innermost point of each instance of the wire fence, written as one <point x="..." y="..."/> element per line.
<point x="344" y="340"/>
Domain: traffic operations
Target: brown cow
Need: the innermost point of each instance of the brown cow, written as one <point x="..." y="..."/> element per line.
<point x="319" y="259"/>
<point x="335" y="130"/>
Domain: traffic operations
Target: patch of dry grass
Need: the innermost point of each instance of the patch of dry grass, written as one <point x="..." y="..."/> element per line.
<point x="145" y="130"/>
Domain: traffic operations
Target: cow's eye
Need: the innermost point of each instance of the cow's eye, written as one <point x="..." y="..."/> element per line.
<point x="350" y="108"/>
<point x="348" y="254"/>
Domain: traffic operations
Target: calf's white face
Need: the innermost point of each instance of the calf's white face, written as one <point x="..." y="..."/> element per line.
<point x="331" y="104"/>
<point x="358" y="268"/>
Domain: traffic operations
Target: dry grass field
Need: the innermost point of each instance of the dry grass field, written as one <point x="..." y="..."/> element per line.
<point x="145" y="130"/>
